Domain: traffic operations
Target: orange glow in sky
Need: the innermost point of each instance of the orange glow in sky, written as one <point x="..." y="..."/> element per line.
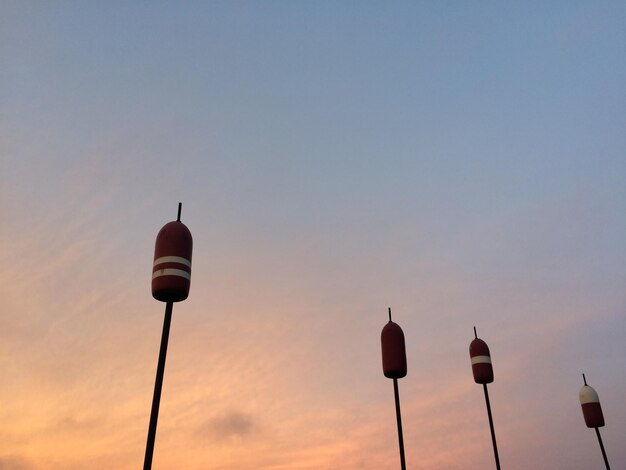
<point x="461" y="164"/>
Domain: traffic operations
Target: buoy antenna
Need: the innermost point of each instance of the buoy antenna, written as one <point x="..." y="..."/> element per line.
<point x="389" y="313"/>
<point x="584" y="379"/>
<point x="180" y="208"/>
<point x="475" y="335"/>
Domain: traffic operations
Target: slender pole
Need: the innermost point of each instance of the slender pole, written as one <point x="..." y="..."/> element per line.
<point x="493" y="433"/>
<point x="399" y="419"/>
<point x="158" y="384"/>
<point x="606" y="460"/>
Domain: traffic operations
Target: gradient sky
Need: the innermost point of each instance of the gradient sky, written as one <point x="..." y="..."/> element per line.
<point x="461" y="162"/>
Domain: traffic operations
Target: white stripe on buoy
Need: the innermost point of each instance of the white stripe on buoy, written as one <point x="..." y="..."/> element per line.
<point x="171" y="272"/>
<point x="172" y="259"/>
<point x="481" y="360"/>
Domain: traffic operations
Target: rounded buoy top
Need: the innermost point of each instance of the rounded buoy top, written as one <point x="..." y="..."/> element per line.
<point x="590" y="403"/>
<point x="587" y="394"/>
<point x="171" y="271"/>
<point x="481" y="361"/>
<point x="393" y="349"/>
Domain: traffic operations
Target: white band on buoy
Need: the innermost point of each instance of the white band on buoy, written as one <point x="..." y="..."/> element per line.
<point x="172" y="259"/>
<point x="481" y="360"/>
<point x="171" y="272"/>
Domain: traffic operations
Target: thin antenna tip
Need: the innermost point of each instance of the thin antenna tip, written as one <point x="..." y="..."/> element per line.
<point x="180" y="207"/>
<point x="389" y="313"/>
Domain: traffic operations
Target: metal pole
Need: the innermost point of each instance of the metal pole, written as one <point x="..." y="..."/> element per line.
<point x="606" y="460"/>
<point x="493" y="433"/>
<point x="399" y="419"/>
<point x="158" y="384"/>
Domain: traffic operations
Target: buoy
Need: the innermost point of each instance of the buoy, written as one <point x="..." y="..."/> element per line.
<point x="171" y="270"/>
<point x="394" y="367"/>
<point x="171" y="276"/>
<point x="481" y="361"/>
<point x="394" y="351"/>
<point x="483" y="374"/>
<point x="590" y="403"/>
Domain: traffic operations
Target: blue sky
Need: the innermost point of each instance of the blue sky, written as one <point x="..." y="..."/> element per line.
<point x="461" y="163"/>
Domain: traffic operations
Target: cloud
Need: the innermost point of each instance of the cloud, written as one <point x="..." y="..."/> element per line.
<point x="14" y="462"/>
<point x="78" y="423"/>
<point x="232" y="424"/>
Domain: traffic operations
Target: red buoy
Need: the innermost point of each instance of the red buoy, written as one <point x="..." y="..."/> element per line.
<point x="481" y="362"/>
<point x="592" y="411"/>
<point x="171" y="271"/>
<point x="483" y="374"/>
<point x="394" y="352"/>
<point x="394" y="367"/>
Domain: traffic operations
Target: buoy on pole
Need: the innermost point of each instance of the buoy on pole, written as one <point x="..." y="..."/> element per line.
<point x="394" y="367"/>
<point x="483" y="374"/>
<point x="592" y="412"/>
<point x="171" y="276"/>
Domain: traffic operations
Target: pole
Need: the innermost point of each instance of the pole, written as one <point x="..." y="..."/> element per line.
<point x="399" y="419"/>
<point x="606" y="460"/>
<point x="493" y="433"/>
<point x="158" y="384"/>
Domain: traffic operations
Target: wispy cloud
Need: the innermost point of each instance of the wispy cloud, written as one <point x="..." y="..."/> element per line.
<point x="14" y="462"/>
<point x="229" y="425"/>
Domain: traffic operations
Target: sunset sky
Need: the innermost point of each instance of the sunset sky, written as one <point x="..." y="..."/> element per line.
<point x="463" y="163"/>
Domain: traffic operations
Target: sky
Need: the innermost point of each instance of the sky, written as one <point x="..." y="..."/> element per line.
<point x="460" y="162"/>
